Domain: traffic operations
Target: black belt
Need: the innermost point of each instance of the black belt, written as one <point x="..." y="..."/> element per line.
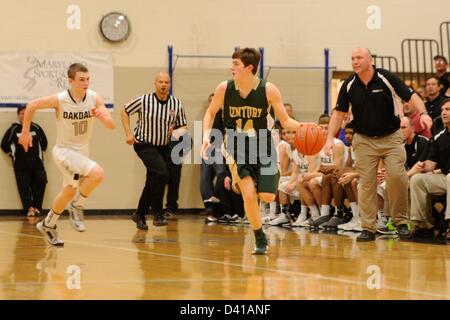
<point x="378" y="136"/>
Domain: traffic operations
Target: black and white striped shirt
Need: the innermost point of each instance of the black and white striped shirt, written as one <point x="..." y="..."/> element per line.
<point x="156" y="117"/>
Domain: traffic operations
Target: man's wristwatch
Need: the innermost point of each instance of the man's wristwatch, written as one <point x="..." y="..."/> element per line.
<point x="422" y="113"/>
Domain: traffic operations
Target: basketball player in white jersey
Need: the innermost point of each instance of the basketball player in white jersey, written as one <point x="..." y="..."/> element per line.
<point x="318" y="166"/>
<point x="75" y="110"/>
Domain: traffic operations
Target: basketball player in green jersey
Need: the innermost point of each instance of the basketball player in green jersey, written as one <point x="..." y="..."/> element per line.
<point x="249" y="105"/>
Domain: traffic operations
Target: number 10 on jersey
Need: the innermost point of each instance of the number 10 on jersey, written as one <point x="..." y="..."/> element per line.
<point x="80" y="127"/>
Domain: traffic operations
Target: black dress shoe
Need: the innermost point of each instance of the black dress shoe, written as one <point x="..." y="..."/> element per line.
<point x="169" y="213"/>
<point x="159" y="220"/>
<point x="422" y="233"/>
<point x="140" y="221"/>
<point x="366" y="236"/>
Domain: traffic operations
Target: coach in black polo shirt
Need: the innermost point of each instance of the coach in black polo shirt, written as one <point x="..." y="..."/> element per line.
<point x="372" y="94"/>
<point x="432" y="181"/>
<point x="159" y="114"/>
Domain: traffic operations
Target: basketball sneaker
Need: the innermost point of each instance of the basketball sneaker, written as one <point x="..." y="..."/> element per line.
<point x="235" y="219"/>
<point x="302" y="218"/>
<point x="281" y="219"/>
<point x="382" y="221"/>
<point x="333" y="223"/>
<point x="50" y="234"/>
<point x="76" y="217"/>
<point x="306" y="223"/>
<point x="388" y="229"/>
<point x="267" y="218"/>
<point x="226" y="218"/>
<point x="261" y="244"/>
<point x="320" y="220"/>
<point x="353" y="225"/>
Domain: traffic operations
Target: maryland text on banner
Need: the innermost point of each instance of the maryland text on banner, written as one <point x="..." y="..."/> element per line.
<point x="25" y="76"/>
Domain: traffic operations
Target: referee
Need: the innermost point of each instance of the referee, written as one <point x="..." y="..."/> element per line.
<point x="372" y="95"/>
<point x="158" y="115"/>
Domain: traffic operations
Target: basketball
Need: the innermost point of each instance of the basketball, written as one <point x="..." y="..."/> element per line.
<point x="309" y="139"/>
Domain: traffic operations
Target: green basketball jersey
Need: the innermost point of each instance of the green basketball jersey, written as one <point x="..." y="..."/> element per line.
<point x="250" y="114"/>
<point x="249" y="148"/>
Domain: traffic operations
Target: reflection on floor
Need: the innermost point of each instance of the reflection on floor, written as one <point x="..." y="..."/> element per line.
<point x="189" y="259"/>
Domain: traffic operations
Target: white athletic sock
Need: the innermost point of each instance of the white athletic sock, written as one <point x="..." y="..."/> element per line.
<point x="381" y="215"/>
<point x="303" y="210"/>
<point x="80" y="200"/>
<point x="355" y="209"/>
<point x="262" y="207"/>
<point x="51" y="218"/>
<point x="324" y="210"/>
<point x="273" y="207"/>
<point x="314" y="211"/>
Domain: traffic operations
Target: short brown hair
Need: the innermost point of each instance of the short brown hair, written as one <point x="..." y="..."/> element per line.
<point x="440" y="57"/>
<point x="324" y="119"/>
<point x="74" y="68"/>
<point x="435" y="78"/>
<point x="248" y="56"/>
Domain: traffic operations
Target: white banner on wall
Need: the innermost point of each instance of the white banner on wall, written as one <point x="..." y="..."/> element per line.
<point x="25" y="76"/>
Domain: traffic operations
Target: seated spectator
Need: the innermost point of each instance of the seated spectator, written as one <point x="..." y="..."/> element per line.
<point x="231" y="203"/>
<point x="416" y="146"/>
<point x="31" y="177"/>
<point x="434" y="100"/>
<point x="341" y="134"/>
<point x="441" y="66"/>
<point x="340" y="185"/>
<point x="318" y="166"/>
<point x="289" y="109"/>
<point x="431" y="177"/>
<point x="285" y="158"/>
<point x="291" y="187"/>
<point x="414" y="116"/>
<point x="211" y="169"/>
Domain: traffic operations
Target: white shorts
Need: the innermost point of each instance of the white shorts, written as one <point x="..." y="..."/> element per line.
<point x="73" y="164"/>
<point x="319" y="180"/>
<point x="381" y="189"/>
<point x="282" y="187"/>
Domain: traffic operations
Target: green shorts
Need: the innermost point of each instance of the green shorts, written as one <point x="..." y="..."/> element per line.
<point x="263" y="169"/>
<point x="267" y="183"/>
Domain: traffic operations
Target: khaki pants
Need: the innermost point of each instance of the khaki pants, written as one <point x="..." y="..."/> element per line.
<point x="422" y="186"/>
<point x="368" y="152"/>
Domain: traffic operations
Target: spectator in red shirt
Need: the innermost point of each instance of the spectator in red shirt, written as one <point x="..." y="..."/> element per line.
<point x="411" y="113"/>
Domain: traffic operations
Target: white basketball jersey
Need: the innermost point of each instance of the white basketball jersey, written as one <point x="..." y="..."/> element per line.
<point x="75" y="122"/>
<point x="353" y="156"/>
<point x="288" y="153"/>
<point x="326" y="160"/>
<point x="346" y="154"/>
<point x="301" y="161"/>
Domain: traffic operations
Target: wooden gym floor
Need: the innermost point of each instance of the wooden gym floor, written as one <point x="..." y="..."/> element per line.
<point x="191" y="260"/>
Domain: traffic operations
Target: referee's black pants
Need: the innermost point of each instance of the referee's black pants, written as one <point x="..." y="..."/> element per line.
<point x="155" y="159"/>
